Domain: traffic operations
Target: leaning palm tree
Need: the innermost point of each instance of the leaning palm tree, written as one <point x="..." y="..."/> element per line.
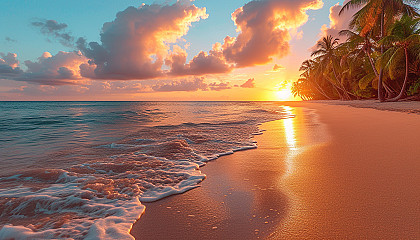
<point x="404" y="37"/>
<point x="303" y="89"/>
<point x="308" y="66"/>
<point x="378" y="13"/>
<point x="325" y="55"/>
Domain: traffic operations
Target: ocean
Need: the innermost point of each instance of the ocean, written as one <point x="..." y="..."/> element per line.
<point x="81" y="170"/>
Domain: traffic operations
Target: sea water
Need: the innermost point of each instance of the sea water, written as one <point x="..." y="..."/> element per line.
<point x="81" y="170"/>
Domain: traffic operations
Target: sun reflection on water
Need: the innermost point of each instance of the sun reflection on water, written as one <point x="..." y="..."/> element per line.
<point x="290" y="136"/>
<point x="289" y="128"/>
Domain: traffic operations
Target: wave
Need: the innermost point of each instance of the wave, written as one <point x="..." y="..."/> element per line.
<point x="100" y="195"/>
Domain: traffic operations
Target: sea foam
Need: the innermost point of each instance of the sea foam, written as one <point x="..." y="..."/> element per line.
<point x="95" y="191"/>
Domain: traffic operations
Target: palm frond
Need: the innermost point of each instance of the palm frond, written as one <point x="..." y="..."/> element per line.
<point x="366" y="80"/>
<point x="397" y="59"/>
<point x="348" y="33"/>
<point x="389" y="40"/>
<point x="318" y="52"/>
<point x="413" y="39"/>
<point x="352" y="4"/>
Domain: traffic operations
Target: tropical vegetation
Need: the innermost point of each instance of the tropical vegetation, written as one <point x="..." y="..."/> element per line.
<point x="379" y="59"/>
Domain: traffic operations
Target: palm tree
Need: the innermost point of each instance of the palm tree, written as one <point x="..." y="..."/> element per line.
<point x="307" y="67"/>
<point x="357" y="45"/>
<point x="360" y="44"/>
<point x="374" y="11"/>
<point x="325" y="55"/>
<point x="302" y="89"/>
<point x="404" y="37"/>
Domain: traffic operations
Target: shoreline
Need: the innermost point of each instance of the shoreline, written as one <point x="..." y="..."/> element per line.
<point x="231" y="202"/>
<point x="206" y="211"/>
<point x="401" y="106"/>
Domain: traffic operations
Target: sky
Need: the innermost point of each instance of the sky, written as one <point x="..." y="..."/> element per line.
<point x="159" y="50"/>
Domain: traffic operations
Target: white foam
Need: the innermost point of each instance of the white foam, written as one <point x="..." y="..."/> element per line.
<point x="9" y="231"/>
<point x="112" y="218"/>
<point x="119" y="225"/>
<point x="106" y="195"/>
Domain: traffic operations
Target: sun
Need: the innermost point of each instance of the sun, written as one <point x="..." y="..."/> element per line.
<point x="284" y="94"/>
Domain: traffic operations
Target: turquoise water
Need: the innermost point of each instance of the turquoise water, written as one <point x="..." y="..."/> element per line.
<point x="87" y="161"/>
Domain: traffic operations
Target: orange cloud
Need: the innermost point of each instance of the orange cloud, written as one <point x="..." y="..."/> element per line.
<point x="144" y="43"/>
<point x="9" y="66"/>
<point x="136" y="44"/>
<point x="263" y="28"/>
<point x="250" y="83"/>
<point x="60" y="69"/>
<point x="9" y="59"/>
<point x="219" y="86"/>
<point x="338" y="22"/>
<point x="183" y="85"/>
<point x="277" y="68"/>
<point x="204" y="63"/>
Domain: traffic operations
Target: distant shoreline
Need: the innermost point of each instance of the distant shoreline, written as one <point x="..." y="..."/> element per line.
<point x="402" y="106"/>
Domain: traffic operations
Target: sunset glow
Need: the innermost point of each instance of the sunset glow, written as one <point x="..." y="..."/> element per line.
<point x="284" y="94"/>
<point x="158" y="50"/>
<point x="209" y="119"/>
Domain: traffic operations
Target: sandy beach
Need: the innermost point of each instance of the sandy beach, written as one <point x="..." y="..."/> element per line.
<point x="183" y="119"/>
<point x="351" y="174"/>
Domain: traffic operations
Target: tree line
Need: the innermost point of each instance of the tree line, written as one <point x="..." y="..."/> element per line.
<point x="380" y="58"/>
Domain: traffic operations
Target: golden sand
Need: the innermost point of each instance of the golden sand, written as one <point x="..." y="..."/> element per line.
<point x="354" y="174"/>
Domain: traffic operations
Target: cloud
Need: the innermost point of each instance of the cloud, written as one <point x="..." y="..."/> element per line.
<point x="263" y="28"/>
<point x="188" y="85"/>
<point x="60" y="69"/>
<point x="145" y="43"/>
<point x="9" y="59"/>
<point x="49" y="26"/>
<point x="87" y="89"/>
<point x="11" y="40"/>
<point x="183" y="85"/>
<point x="203" y="63"/>
<point x="277" y="68"/>
<point x="264" y="32"/>
<point x="56" y="30"/>
<point x="338" y="22"/>
<point x="219" y="86"/>
<point x="9" y="66"/>
<point x="250" y="83"/>
<point x="136" y="44"/>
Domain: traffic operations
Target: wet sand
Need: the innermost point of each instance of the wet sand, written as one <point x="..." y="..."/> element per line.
<point x="353" y="177"/>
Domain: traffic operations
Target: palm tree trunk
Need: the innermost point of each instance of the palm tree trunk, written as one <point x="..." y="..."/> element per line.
<point x="323" y="92"/>
<point x="387" y="89"/>
<point x="372" y="64"/>
<point x="346" y="96"/>
<point x="336" y="88"/>
<point x="338" y="92"/>
<point x="319" y="89"/>
<point x="404" y="86"/>
<point x="381" y="71"/>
